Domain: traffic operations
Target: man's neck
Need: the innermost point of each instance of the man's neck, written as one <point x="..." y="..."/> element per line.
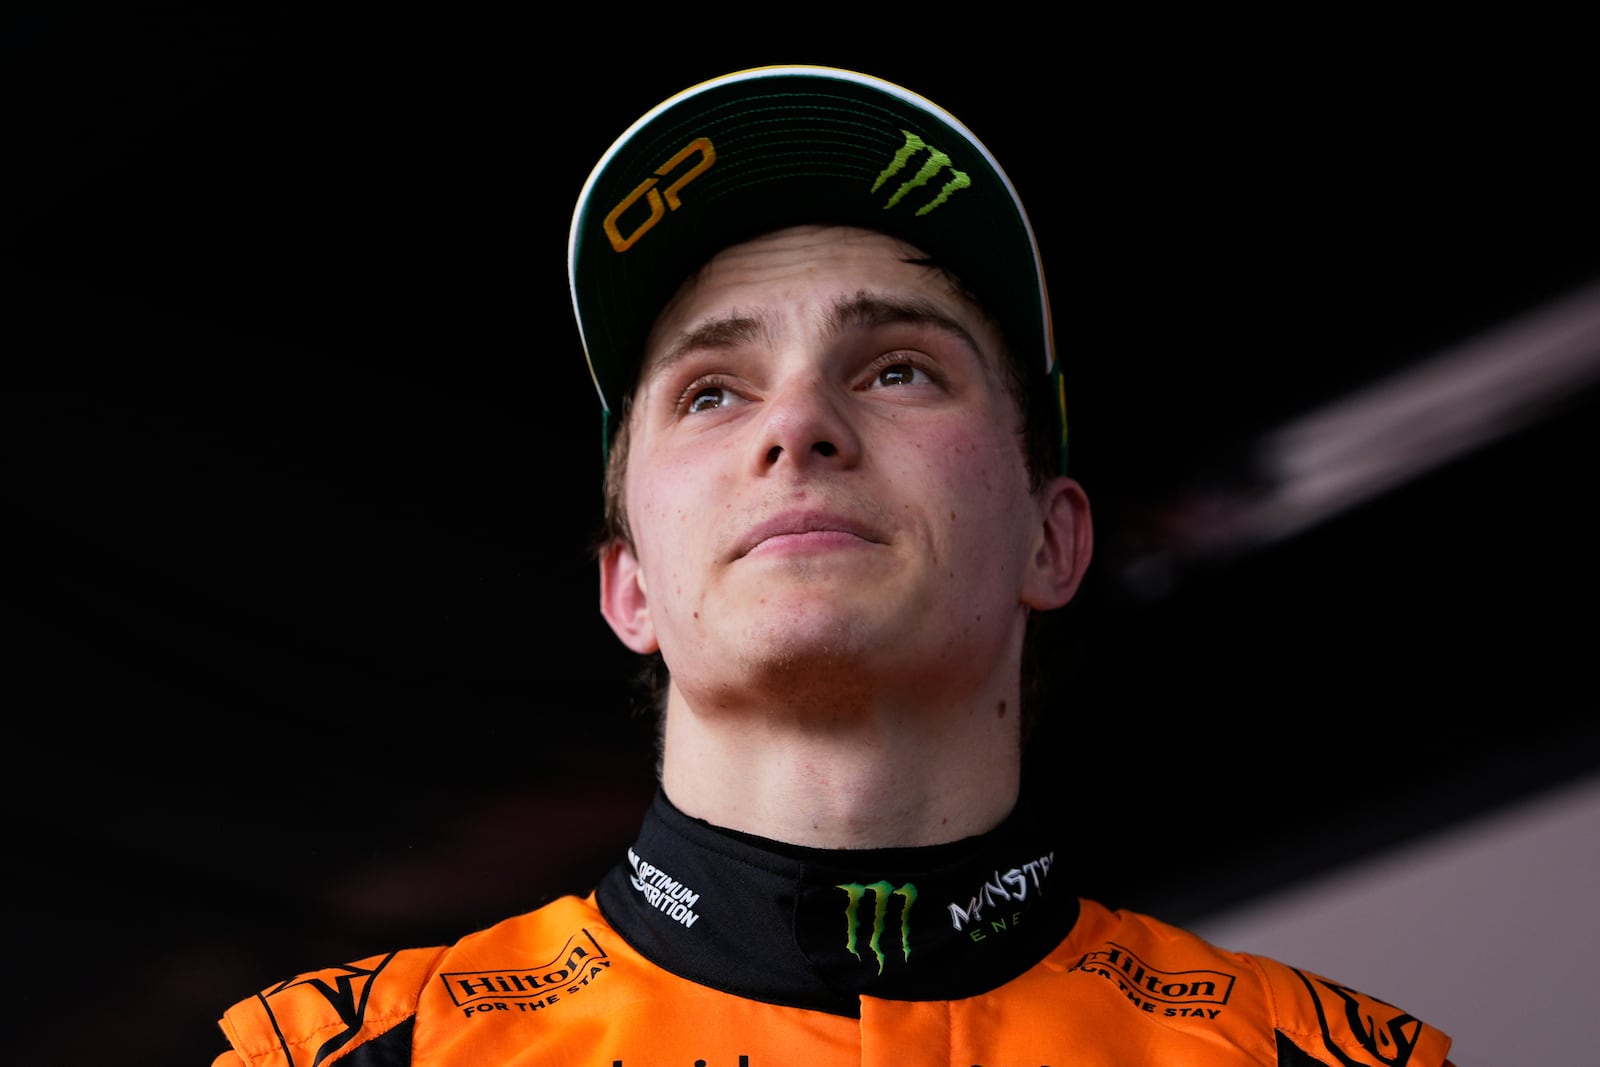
<point x="869" y="778"/>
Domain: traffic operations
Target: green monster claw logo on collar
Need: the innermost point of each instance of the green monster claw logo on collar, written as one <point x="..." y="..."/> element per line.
<point x="881" y="892"/>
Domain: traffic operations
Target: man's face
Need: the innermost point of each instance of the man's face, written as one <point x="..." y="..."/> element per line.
<point x="825" y="482"/>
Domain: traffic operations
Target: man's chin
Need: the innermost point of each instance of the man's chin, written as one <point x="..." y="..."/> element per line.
<point x="805" y="642"/>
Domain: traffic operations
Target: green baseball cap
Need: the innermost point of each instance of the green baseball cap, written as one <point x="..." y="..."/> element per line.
<point x="757" y="150"/>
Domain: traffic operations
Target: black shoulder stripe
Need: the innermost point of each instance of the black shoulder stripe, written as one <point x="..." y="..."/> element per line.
<point x="392" y="1048"/>
<point x="1292" y="1055"/>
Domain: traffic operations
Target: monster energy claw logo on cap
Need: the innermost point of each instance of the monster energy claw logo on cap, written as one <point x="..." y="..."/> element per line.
<point x="937" y="162"/>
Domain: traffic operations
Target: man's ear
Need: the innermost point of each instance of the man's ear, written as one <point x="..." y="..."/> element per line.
<point x="623" y="601"/>
<point x="1062" y="547"/>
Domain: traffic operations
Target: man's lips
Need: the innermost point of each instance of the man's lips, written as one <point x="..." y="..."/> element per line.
<point x="802" y="530"/>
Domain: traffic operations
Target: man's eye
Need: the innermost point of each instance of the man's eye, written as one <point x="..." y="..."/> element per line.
<point x="902" y="374"/>
<point x="708" y="399"/>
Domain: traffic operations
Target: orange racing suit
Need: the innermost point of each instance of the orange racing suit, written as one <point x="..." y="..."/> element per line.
<point x="711" y="948"/>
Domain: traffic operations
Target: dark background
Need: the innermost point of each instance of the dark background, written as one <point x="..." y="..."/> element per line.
<point x="305" y="659"/>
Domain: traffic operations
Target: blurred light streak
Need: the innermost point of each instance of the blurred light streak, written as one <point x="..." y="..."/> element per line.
<point x="1343" y="454"/>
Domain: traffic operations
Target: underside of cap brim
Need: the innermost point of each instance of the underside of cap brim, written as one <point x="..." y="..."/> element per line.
<point x="760" y="149"/>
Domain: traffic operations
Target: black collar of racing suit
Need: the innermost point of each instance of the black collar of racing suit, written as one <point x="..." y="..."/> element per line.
<point x="818" y="928"/>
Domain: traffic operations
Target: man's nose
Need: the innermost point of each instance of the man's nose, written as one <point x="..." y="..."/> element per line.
<point x="808" y="421"/>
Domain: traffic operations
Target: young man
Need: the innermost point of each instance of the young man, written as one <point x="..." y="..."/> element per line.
<point x="814" y="310"/>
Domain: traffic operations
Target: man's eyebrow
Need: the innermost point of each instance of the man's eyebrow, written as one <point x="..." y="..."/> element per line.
<point x="728" y="331"/>
<point x="866" y="310"/>
<point x="863" y="311"/>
